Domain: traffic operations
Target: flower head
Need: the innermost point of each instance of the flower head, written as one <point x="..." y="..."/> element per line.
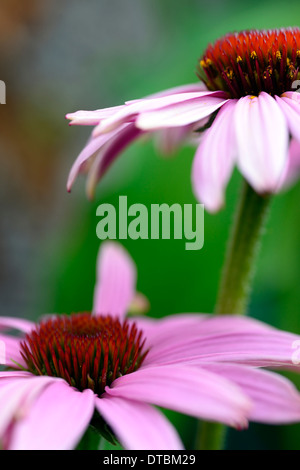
<point x="66" y="371"/>
<point x="250" y="62"/>
<point x="247" y="99"/>
<point x="88" y="352"/>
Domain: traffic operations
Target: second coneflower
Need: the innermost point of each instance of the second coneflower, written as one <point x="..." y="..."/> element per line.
<point x="248" y="101"/>
<point x="69" y="371"/>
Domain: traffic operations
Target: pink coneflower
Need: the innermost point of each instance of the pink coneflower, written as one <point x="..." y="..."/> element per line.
<point x="68" y="371"/>
<point x="247" y="99"/>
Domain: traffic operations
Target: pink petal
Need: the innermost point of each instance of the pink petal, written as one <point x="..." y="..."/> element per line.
<point x="199" y="338"/>
<point x="9" y="375"/>
<point x="170" y="139"/>
<point x="264" y="348"/>
<point x="214" y="159"/>
<point x="91" y="118"/>
<point x="57" y="419"/>
<point x="116" y="281"/>
<point x="188" y="390"/>
<point x="138" y="426"/>
<point x="275" y="399"/>
<point x="171" y="328"/>
<point x="291" y="111"/>
<point x="293" y="95"/>
<point x="17" y="393"/>
<point x="191" y="88"/>
<point x="129" y="113"/>
<point x="167" y="335"/>
<point x="292" y="170"/>
<point x="90" y="150"/>
<point x="119" y="140"/>
<point x="10" y="351"/>
<point x="262" y="141"/>
<point x="16" y="323"/>
<point x="180" y="113"/>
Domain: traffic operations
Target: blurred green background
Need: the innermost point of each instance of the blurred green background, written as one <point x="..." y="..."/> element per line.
<point x="58" y="57"/>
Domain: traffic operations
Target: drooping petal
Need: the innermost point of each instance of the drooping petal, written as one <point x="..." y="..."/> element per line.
<point x="91" y="118"/>
<point x="118" y="141"/>
<point x="190" y="88"/>
<point x="116" y="281"/>
<point x="200" y="338"/>
<point x="290" y="105"/>
<point x="56" y="420"/>
<point x="9" y="375"/>
<point x="170" y="138"/>
<point x="186" y="389"/>
<point x="292" y="171"/>
<point x="167" y="335"/>
<point x="90" y="150"/>
<point x="16" y="323"/>
<point x="275" y="399"/>
<point x="262" y="141"/>
<point x="10" y="351"/>
<point x="174" y="102"/>
<point x="267" y="348"/>
<point x="291" y="110"/>
<point x="158" y="331"/>
<point x="17" y="394"/>
<point x="138" y="426"/>
<point x="293" y="95"/>
<point x="180" y="113"/>
<point x="214" y="159"/>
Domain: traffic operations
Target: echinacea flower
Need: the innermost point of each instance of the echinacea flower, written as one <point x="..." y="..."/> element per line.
<point x="248" y="101"/>
<point x="68" y="371"/>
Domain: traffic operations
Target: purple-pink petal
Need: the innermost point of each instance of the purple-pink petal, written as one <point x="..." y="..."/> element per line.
<point x="118" y="141"/>
<point x="263" y="350"/>
<point x="173" y="102"/>
<point x="16" y="323"/>
<point x="56" y="420"/>
<point x="10" y="375"/>
<point x="291" y="111"/>
<point x="186" y="389"/>
<point x="158" y="331"/>
<point x="292" y="170"/>
<point x="116" y="281"/>
<point x="190" y="88"/>
<point x="10" y="351"/>
<point x="90" y="150"/>
<point x="214" y="159"/>
<point x="181" y="113"/>
<point x="169" y="333"/>
<point x="91" y="118"/>
<point x="275" y="399"/>
<point x="138" y="426"/>
<point x="170" y="138"/>
<point x="234" y="340"/>
<point x="262" y="141"/>
<point x="17" y="393"/>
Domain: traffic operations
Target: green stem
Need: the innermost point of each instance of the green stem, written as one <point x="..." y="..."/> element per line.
<point x="236" y="279"/>
<point x="211" y="436"/>
<point x="242" y="250"/>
